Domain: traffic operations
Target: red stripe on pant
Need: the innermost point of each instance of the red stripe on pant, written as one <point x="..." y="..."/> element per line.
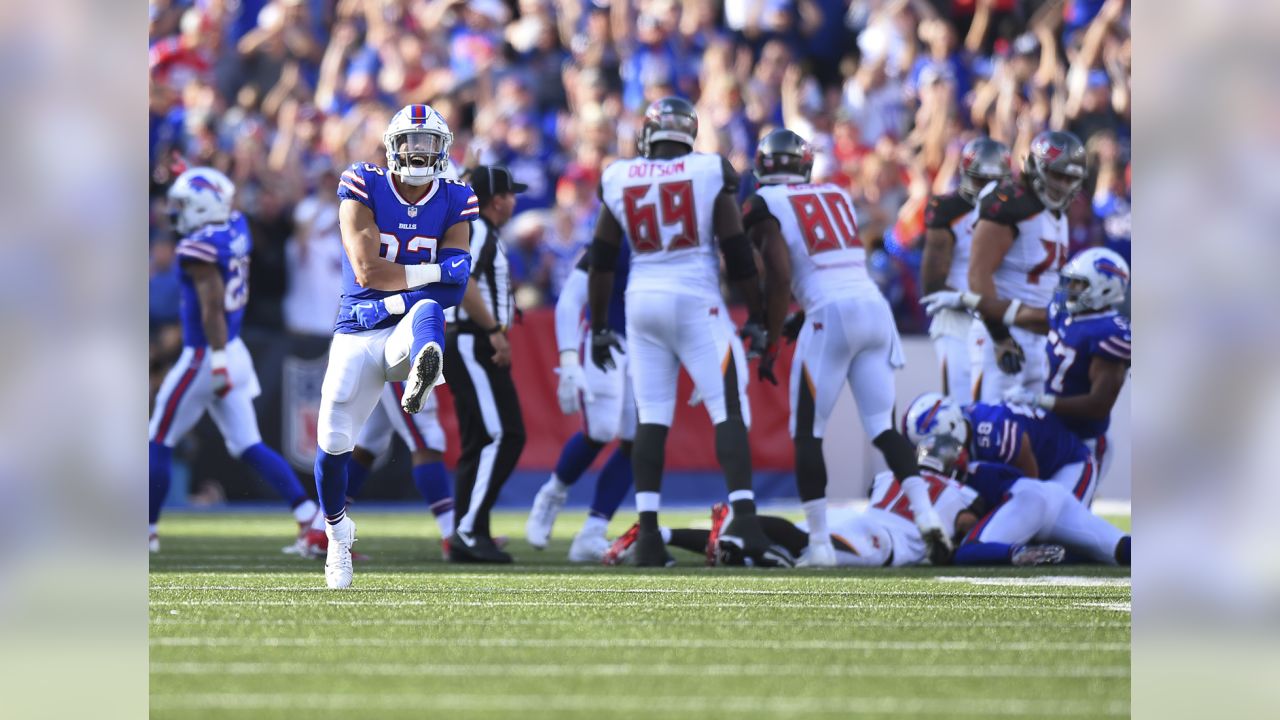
<point x="419" y="441"/>
<point x="171" y="407"/>
<point x="1086" y="478"/>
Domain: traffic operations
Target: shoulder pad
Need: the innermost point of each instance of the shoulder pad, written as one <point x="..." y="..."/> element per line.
<point x="1008" y="204"/>
<point x="943" y="210"/>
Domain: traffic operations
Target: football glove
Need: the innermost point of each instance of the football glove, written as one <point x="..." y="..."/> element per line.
<point x="1009" y="356"/>
<point x="764" y="371"/>
<point x="602" y="344"/>
<point x="221" y="378"/>
<point x="792" y="326"/>
<point x="573" y="383"/>
<point x="755" y="337"/>
<point x="936" y="302"/>
<point x="455" y="270"/>
<point x="370" y="312"/>
<point x="1027" y="398"/>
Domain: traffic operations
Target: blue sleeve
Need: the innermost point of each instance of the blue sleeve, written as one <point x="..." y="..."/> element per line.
<point x="352" y="186"/>
<point x="464" y="205"/>
<point x="1116" y="343"/>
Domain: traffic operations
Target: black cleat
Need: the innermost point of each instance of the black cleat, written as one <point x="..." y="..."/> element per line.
<point x="423" y="374"/>
<point x="650" y="551"/>
<point x="743" y="542"/>
<point x="471" y="548"/>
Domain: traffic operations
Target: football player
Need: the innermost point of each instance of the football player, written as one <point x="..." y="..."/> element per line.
<point x="1090" y="345"/>
<point x="948" y="236"/>
<point x="884" y="534"/>
<point x="608" y="406"/>
<point x="406" y="235"/>
<point x="1019" y="245"/>
<point x="808" y="236"/>
<point x="1029" y="439"/>
<point x="676" y="207"/>
<point x="214" y="374"/>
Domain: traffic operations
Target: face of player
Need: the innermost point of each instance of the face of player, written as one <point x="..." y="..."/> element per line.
<point x="1075" y="288"/>
<point x="419" y="149"/>
<point x="1059" y="186"/>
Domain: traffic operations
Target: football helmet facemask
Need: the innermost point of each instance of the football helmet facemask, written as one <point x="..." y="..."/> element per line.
<point x="417" y="143"/>
<point x="1055" y="167"/>
<point x="198" y="197"/>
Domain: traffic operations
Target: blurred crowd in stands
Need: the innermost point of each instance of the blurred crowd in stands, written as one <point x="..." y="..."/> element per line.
<point x="283" y="94"/>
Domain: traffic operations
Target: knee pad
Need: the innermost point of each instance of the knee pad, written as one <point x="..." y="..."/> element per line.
<point x="334" y="442"/>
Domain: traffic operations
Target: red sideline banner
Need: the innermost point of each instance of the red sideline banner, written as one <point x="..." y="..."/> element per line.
<point x="691" y="444"/>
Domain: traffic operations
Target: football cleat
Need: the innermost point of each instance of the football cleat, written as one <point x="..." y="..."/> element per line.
<point x="818" y="555"/>
<point x="620" y="550"/>
<point x="542" y="517"/>
<point x="471" y="548"/>
<point x="153" y="543"/>
<point x="423" y="376"/>
<point x="651" y="551"/>
<point x="743" y="542"/>
<point x="444" y="549"/>
<point x="719" y="513"/>
<point x="588" y="548"/>
<point x="337" y="564"/>
<point x="1028" y="555"/>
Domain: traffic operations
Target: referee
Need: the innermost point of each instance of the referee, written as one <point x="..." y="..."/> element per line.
<point x="477" y="366"/>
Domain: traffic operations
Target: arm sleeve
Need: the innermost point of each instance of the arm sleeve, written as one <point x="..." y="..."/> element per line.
<point x="573" y="297"/>
<point x="755" y="211"/>
<point x="352" y="186"/>
<point x="465" y="205"/>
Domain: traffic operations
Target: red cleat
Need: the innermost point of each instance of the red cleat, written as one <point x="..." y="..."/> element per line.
<point x="719" y="513"/>
<point x="618" y="551"/>
<point x="444" y="549"/>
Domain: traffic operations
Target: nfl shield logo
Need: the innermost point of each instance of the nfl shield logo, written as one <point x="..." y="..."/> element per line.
<point x="302" y="380"/>
<point x="413" y="211"/>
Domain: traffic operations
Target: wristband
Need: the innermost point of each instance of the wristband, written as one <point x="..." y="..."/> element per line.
<point x="218" y="359"/>
<point x="1011" y="312"/>
<point x="1047" y="401"/>
<point x="970" y="300"/>
<point x="419" y="275"/>
<point x="394" y="304"/>
<point x="569" y="358"/>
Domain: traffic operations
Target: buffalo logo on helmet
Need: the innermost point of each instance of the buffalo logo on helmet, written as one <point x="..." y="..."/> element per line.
<point x="200" y="182"/>
<point x="1106" y="267"/>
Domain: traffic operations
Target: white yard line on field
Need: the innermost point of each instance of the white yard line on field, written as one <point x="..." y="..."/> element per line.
<point x="839" y="622"/>
<point x="446" y="603"/>
<point x="935" y="593"/>
<point x="673" y="643"/>
<point x="654" y="670"/>
<point x="1116" y="606"/>
<point x="768" y="706"/>
<point x="1041" y="581"/>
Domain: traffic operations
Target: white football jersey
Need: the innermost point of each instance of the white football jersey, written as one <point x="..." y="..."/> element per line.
<point x="948" y="496"/>
<point x="1030" y="269"/>
<point x="828" y="261"/>
<point x="666" y="207"/>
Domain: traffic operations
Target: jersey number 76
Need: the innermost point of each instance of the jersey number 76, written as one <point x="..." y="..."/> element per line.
<point x="674" y="205"/>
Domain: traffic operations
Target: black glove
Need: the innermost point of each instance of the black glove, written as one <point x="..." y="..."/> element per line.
<point x="1009" y="356"/>
<point x="792" y="326"/>
<point x="767" y="359"/>
<point x="755" y="337"/>
<point x="602" y="344"/>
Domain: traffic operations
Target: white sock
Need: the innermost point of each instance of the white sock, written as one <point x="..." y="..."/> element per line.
<point x="445" y="521"/>
<point x="558" y="485"/>
<point x="815" y="513"/>
<point x="648" y="501"/>
<point x="317" y="523"/>
<point x="737" y="495"/>
<point x="151" y="529"/>
<point x="666" y="533"/>
<point x="306" y="511"/>
<point x="595" y="526"/>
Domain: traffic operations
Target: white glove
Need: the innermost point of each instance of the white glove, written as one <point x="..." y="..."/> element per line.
<point x="930" y="526"/>
<point x="221" y="377"/>
<point x="572" y="382"/>
<point x="1021" y="396"/>
<point x="695" y="397"/>
<point x="949" y="300"/>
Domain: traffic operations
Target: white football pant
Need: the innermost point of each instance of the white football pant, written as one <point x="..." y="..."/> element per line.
<point x="187" y="392"/>
<point x="610" y="414"/>
<point x="419" y="431"/>
<point x="1044" y="512"/>
<point x="990" y="383"/>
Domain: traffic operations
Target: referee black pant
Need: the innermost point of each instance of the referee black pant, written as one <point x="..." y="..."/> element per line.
<point x="490" y="424"/>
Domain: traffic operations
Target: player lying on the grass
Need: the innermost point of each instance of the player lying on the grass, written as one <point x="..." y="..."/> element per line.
<point x="1090" y="345"/>
<point x="215" y="372"/>
<point x="1029" y="522"/>
<point x="808" y="237"/>
<point x="1033" y="441"/>
<point x="884" y="534"/>
<point x="423" y="435"/>
<point x="406" y="238"/>
<point x="608" y="406"/>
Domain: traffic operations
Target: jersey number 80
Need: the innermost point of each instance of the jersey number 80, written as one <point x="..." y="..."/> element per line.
<point x="825" y="220"/>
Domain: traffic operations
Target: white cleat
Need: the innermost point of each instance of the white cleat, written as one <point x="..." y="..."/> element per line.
<point x="818" y="555"/>
<point x="153" y="543"/>
<point x="424" y="375"/>
<point x="542" y="517"/>
<point x="588" y="548"/>
<point x="337" y="564"/>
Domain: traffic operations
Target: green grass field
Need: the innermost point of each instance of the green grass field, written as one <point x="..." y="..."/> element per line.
<point x="239" y="630"/>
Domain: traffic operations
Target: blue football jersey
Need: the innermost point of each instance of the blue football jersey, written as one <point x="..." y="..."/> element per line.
<point x="618" y="301"/>
<point x="998" y="430"/>
<point x="410" y="231"/>
<point x="226" y="245"/>
<point x="1073" y="342"/>
<point x="992" y="481"/>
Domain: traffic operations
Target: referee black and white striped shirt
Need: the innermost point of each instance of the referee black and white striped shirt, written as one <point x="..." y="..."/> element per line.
<point x="491" y="274"/>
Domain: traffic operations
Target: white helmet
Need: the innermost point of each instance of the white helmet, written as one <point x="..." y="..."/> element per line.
<point x="200" y="196"/>
<point x="417" y="142"/>
<point x="934" y="414"/>
<point x="1096" y="279"/>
